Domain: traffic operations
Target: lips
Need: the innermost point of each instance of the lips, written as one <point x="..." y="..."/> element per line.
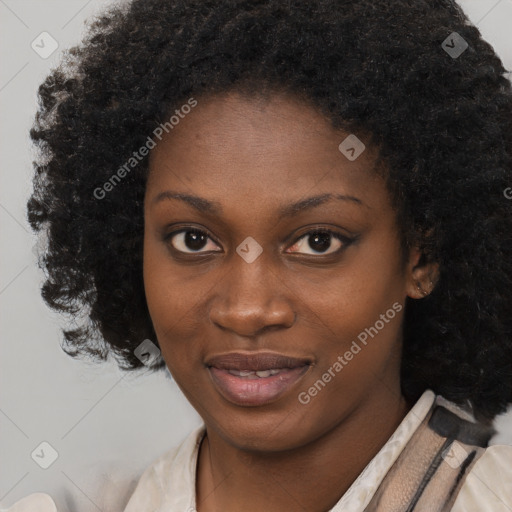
<point x="255" y="379"/>
<point x="255" y="362"/>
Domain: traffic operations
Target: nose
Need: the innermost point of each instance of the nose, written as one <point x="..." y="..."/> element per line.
<point x="252" y="298"/>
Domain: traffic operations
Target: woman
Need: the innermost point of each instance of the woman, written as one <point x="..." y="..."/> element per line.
<point x="299" y="209"/>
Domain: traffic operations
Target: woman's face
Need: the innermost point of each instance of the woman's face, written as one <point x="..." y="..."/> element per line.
<point x="263" y="239"/>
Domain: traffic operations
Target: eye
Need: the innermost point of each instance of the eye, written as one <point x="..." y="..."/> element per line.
<point x="321" y="242"/>
<point x="190" y="241"/>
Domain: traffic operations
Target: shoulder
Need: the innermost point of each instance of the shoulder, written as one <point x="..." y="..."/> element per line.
<point x="488" y="486"/>
<point x="172" y="473"/>
<point x="168" y="480"/>
<point x="38" y="501"/>
<point x="150" y="485"/>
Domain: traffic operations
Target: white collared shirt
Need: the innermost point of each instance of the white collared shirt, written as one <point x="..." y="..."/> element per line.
<point x="169" y="482"/>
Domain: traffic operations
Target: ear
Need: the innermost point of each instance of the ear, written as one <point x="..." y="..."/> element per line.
<point x="422" y="276"/>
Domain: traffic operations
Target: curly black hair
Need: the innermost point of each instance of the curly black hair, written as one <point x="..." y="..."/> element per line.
<point x="442" y="123"/>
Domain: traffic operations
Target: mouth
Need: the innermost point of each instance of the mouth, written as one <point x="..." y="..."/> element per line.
<point x="251" y="375"/>
<point x="255" y="379"/>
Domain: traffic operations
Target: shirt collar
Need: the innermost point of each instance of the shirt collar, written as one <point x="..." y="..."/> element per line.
<point x="180" y="476"/>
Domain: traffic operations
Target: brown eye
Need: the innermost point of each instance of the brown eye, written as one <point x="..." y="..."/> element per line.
<point x="319" y="242"/>
<point x="191" y="241"/>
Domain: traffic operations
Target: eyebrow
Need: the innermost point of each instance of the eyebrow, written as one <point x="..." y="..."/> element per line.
<point x="213" y="207"/>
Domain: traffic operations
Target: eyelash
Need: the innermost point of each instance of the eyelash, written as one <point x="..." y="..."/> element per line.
<point x="345" y="241"/>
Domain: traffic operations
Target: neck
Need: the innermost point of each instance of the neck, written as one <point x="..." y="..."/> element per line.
<point x="312" y="477"/>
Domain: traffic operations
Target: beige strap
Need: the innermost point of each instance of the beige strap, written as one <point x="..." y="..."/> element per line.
<point x="430" y="471"/>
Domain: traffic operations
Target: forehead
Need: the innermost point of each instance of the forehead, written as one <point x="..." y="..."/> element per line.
<point x="272" y="146"/>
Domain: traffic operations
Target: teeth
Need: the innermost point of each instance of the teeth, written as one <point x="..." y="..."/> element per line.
<point x="255" y="375"/>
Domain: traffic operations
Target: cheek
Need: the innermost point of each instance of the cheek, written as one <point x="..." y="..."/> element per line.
<point x="176" y="299"/>
<point x="358" y="314"/>
<point x="352" y="297"/>
<point x="170" y="290"/>
<point x="360" y="323"/>
<point x="356" y="337"/>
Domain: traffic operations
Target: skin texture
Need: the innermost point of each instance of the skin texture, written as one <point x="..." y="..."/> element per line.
<point x="443" y="127"/>
<point x="253" y="156"/>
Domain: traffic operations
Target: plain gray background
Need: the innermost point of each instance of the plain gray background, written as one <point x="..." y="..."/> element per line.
<point x="105" y="426"/>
